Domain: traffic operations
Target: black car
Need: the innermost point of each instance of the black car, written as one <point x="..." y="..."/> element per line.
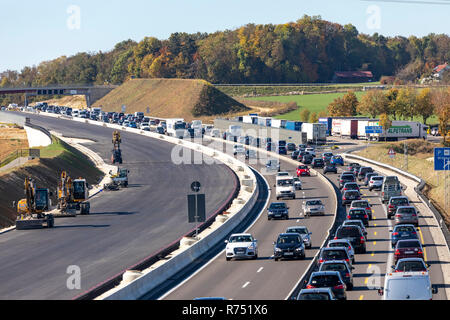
<point x="269" y="146"/>
<point x="294" y="155"/>
<point x="160" y="130"/>
<point x="278" y="210"/>
<point x="318" y="163"/>
<point x="328" y="279"/>
<point x="289" y="245"/>
<point x="282" y="150"/>
<point x="308" y="158"/>
<point x="362" y="172"/>
<point x="354" y="234"/>
<point x="329" y="168"/>
<point x="358" y="214"/>
<point x="291" y="146"/>
<point x="334" y="253"/>
<point x="343" y="268"/>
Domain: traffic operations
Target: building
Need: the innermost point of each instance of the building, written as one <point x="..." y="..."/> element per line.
<point x="352" y="76"/>
<point x="439" y="70"/>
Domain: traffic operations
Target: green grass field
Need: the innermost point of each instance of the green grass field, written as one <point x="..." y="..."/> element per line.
<point x="317" y="103"/>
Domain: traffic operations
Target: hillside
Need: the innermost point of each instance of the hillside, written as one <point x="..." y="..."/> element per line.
<point x="170" y="98"/>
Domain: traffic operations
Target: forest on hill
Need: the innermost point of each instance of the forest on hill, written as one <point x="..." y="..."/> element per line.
<point x="308" y="50"/>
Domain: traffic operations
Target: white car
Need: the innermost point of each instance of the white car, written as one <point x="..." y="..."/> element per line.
<point x="238" y="149"/>
<point x="311" y="151"/>
<point x="241" y="245"/>
<point x="297" y="183"/>
<point x="343" y="243"/>
<point x="375" y="182"/>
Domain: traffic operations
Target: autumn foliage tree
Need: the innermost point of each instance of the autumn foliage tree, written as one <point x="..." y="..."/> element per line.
<point x="345" y="106"/>
<point x="304" y="115"/>
<point x="373" y="103"/>
<point x="424" y="105"/>
<point x="441" y="101"/>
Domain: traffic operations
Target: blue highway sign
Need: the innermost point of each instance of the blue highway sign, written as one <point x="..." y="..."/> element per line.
<point x="374" y="129"/>
<point x="441" y="159"/>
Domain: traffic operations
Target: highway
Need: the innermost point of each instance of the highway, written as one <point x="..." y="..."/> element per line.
<point x="124" y="226"/>
<point x="266" y="279"/>
<point x="263" y="278"/>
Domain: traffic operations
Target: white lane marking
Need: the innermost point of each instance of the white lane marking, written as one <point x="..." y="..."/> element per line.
<point x="260" y="269"/>
<point x="246" y="284"/>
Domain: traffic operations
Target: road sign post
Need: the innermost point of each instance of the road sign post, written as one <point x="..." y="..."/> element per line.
<point x="196" y="206"/>
<point x="442" y="163"/>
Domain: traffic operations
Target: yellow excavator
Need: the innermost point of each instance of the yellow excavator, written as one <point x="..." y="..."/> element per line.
<point x="72" y="195"/>
<point x="32" y="212"/>
<point x="116" y="152"/>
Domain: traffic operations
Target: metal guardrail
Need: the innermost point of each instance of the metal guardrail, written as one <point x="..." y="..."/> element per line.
<point x="147" y="262"/>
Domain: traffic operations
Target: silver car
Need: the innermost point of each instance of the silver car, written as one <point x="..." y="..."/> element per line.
<point x="362" y="204"/>
<point x="407" y="215"/>
<point x="303" y="231"/>
<point x="375" y="182"/>
<point x="312" y="207"/>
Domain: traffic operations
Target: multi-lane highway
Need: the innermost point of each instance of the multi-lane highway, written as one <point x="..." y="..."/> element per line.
<point x="266" y="279"/>
<point x="124" y="226"/>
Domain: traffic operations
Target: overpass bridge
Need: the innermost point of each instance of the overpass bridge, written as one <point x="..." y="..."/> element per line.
<point x="92" y="93"/>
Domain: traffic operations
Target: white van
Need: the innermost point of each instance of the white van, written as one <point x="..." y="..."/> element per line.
<point x="285" y="187"/>
<point x="407" y="286"/>
<point x="75" y="113"/>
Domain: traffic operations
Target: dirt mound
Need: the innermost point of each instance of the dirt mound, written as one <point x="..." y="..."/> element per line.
<point x="46" y="172"/>
<point x="170" y="98"/>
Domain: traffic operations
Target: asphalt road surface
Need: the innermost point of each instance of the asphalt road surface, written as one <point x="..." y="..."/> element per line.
<point x="124" y="226"/>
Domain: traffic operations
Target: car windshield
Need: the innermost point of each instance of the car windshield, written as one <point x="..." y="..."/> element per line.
<point x="325" y="281"/>
<point x="302" y="167"/>
<point x="333" y="267"/>
<point x="314" y="296"/>
<point x="235" y="239"/>
<point x="281" y="174"/>
<point x="399" y="201"/>
<point x="288" y="239"/>
<point x="351" y="193"/>
<point x="347" y="177"/>
<point x="334" y="254"/>
<point x="411" y="266"/>
<point x="408" y="244"/>
<point x="406" y="210"/>
<point x="298" y="230"/>
<point x="348" y="232"/>
<point x="337" y="244"/>
<point x="285" y="183"/>
<point x="351" y="185"/>
<point x="278" y="206"/>
<point x="314" y="203"/>
<point x="401" y="228"/>
<point x="360" y="205"/>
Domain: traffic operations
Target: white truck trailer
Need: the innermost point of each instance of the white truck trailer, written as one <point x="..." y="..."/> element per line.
<point x="315" y="132"/>
<point x="400" y="130"/>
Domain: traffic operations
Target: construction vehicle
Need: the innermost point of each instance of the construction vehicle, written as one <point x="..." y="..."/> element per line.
<point x="32" y="212"/>
<point x="72" y="196"/>
<point x="118" y="179"/>
<point x="116" y="152"/>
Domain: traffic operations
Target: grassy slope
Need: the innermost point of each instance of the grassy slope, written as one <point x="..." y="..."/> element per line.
<point x="54" y="159"/>
<point x="169" y="98"/>
<point x="418" y="165"/>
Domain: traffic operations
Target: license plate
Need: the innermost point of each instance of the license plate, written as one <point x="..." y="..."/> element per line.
<point x="409" y="252"/>
<point x="288" y="253"/>
<point x="404" y="235"/>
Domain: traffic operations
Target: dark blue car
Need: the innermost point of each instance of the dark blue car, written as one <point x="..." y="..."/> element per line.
<point x="282" y="150"/>
<point x="403" y="232"/>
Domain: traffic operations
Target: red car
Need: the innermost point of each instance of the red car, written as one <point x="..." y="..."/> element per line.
<point x="408" y="249"/>
<point x="303" y="171"/>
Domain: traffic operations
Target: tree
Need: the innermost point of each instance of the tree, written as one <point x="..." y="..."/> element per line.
<point x="373" y="103"/>
<point x="345" y="106"/>
<point x="441" y="101"/>
<point x="424" y="106"/>
<point x="391" y="96"/>
<point x="385" y="122"/>
<point x="405" y="103"/>
<point x="323" y="114"/>
<point x="304" y="115"/>
<point x="313" y="118"/>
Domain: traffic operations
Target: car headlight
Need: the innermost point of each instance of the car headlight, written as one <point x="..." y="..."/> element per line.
<point x="251" y="247"/>
<point x="299" y="249"/>
<point x="278" y="250"/>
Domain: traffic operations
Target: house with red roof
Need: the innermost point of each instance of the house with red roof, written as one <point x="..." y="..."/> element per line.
<point x="440" y="69"/>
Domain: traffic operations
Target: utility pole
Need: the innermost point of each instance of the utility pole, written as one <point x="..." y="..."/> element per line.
<point x="405" y="151"/>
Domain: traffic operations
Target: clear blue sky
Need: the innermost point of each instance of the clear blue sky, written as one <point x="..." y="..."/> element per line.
<point x="36" y="31"/>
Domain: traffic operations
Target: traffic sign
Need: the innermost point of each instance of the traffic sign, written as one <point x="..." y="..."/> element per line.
<point x="195" y="186"/>
<point x="124" y="108"/>
<point x="391" y="153"/>
<point x="441" y="159"/>
<point x="374" y="129"/>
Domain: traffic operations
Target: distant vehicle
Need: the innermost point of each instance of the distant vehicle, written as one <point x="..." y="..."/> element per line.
<point x="368" y="176"/>
<point x="238" y="149"/>
<point x="291" y="146"/>
<point x="362" y="172"/>
<point x="285" y="187"/>
<point x="328" y="279"/>
<point x="407" y="215"/>
<point x="278" y="210"/>
<point x="282" y="150"/>
<point x="316" y="294"/>
<point x="410" y="265"/>
<point x="160" y="130"/>
<point x="329" y="168"/>
<point x="318" y="163"/>
<point x="343" y="243"/>
<point x="362" y="204"/>
<point x="294" y="155"/>
<point x="289" y="245"/>
<point x="303" y="231"/>
<point x="326" y="156"/>
<point x="403" y="232"/>
<point x="407" y="286"/>
<point x="344" y="178"/>
<point x="351" y="186"/>
<point x="297" y="183"/>
<point x="334" y="253"/>
<point x="375" y="183"/>
<point x="349" y="196"/>
<point x="311" y="151"/>
<point x="303" y="170"/>
<point x="408" y="249"/>
<point x="337" y="160"/>
<point x="356" y="222"/>
<point x="355" y="235"/>
<point x="273" y="165"/>
<point x="250" y="154"/>
<point x="241" y="245"/>
<point x="394" y="203"/>
<point x="390" y="188"/>
<point x="313" y="207"/>
<point x="342" y="267"/>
